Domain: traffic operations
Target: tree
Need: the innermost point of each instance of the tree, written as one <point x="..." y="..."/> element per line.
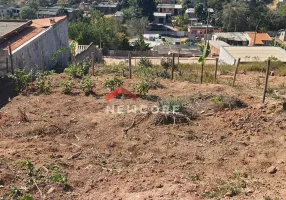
<point x="201" y="12"/>
<point x="137" y="26"/>
<point x="27" y="13"/>
<point x="181" y="22"/>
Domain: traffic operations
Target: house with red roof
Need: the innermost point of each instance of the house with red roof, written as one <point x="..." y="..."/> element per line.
<point x="31" y="44"/>
<point x="261" y="39"/>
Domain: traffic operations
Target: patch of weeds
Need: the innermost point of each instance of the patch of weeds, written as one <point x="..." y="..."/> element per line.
<point x="71" y="70"/>
<point x="272" y="93"/>
<point x="21" y="79"/>
<point x="270" y="198"/>
<point x="113" y="83"/>
<point x="171" y="105"/>
<point x="43" y="81"/>
<point x="194" y="177"/>
<point x="27" y="197"/>
<point x="217" y="100"/>
<point x="231" y="187"/>
<point x="145" y="62"/>
<point x="57" y="175"/>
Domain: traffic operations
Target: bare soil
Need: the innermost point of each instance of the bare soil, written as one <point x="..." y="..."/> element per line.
<point x="225" y="153"/>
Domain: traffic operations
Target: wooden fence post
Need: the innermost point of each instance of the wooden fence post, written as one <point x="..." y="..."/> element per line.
<point x="173" y="66"/>
<point x="130" y="68"/>
<point x="236" y="69"/>
<point x="92" y="63"/>
<point x="202" y="71"/>
<point x="11" y="59"/>
<point x="266" y="80"/>
<point x="216" y="66"/>
<point x="43" y="60"/>
<point x="7" y="65"/>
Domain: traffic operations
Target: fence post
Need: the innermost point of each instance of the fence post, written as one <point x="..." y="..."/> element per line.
<point x="236" y="68"/>
<point x="43" y="61"/>
<point x="173" y="63"/>
<point x="7" y="65"/>
<point x="92" y="63"/>
<point x="129" y="61"/>
<point x="216" y="65"/>
<point x="11" y="58"/>
<point x="202" y="71"/>
<point x="266" y="80"/>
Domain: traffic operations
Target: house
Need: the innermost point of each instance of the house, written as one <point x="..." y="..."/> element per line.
<point x="261" y="39"/>
<point x="216" y="45"/>
<point x="199" y="29"/>
<point x="229" y="55"/>
<point x="282" y="35"/>
<point x="12" y="11"/>
<point x="166" y="1"/>
<point x="107" y="8"/>
<point x="192" y="15"/>
<point x="33" y="43"/>
<point x="232" y="38"/>
<point x="162" y="18"/>
<point x="55" y="11"/>
<point x="174" y="9"/>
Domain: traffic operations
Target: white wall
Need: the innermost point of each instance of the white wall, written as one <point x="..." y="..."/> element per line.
<point x="225" y="57"/>
<point x="50" y="41"/>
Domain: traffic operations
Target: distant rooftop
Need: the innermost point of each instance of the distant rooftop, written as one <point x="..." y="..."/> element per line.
<point x="235" y="36"/>
<point x="176" y="6"/>
<point x="259" y="38"/>
<point x="106" y="5"/>
<point x="8" y="26"/>
<point x="156" y="14"/>
<point x="250" y="54"/>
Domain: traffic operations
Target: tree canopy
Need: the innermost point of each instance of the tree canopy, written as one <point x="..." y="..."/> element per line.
<point x="27" y="13"/>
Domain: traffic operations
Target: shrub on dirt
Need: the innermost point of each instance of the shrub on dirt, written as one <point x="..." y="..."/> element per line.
<point x="149" y="75"/>
<point x="21" y="79"/>
<point x="113" y="83"/>
<point x="145" y="62"/>
<point x="43" y="82"/>
<point x="67" y="86"/>
<point x="173" y="111"/>
<point x="142" y="87"/>
<point x="231" y="102"/>
<point x="83" y="67"/>
<point x="166" y="63"/>
<point x="71" y="70"/>
<point x="87" y="84"/>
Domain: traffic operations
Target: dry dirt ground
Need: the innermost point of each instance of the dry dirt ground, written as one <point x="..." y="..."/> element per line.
<point x="223" y="154"/>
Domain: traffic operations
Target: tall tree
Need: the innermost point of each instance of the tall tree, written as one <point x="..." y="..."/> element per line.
<point x="27" y="13"/>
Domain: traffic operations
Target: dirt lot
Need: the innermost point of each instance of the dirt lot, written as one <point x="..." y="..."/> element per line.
<point x="71" y="148"/>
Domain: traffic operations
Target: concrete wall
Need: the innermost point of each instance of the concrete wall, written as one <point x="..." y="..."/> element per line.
<point x="29" y="55"/>
<point x="87" y="54"/>
<point x="225" y="57"/>
<point x="3" y="65"/>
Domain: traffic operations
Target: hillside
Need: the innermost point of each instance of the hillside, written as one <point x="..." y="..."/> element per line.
<point x="69" y="147"/>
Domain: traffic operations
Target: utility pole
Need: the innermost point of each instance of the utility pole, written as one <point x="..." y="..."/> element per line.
<point x="255" y="35"/>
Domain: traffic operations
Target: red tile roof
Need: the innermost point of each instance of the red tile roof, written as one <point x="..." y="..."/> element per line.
<point x="260" y="37"/>
<point x="37" y="27"/>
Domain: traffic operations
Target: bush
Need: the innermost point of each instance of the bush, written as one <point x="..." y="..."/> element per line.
<point x="145" y="62"/>
<point x="142" y="88"/>
<point x="166" y="63"/>
<point x="146" y="74"/>
<point x="67" y="86"/>
<point x="71" y="70"/>
<point x="87" y="84"/>
<point x="43" y="82"/>
<point x="83" y="67"/>
<point x="171" y="105"/>
<point x="113" y="83"/>
<point x="21" y="79"/>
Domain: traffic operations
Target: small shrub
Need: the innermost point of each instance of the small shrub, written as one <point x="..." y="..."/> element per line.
<point x="21" y="79"/>
<point x="166" y="63"/>
<point x="67" y="86"/>
<point x="217" y="100"/>
<point x="142" y="88"/>
<point x="87" y="84"/>
<point x="171" y="105"/>
<point x="71" y="70"/>
<point x="43" y="82"/>
<point x="146" y="74"/>
<point x="27" y="197"/>
<point x="145" y="62"/>
<point x="83" y="67"/>
<point x="113" y="83"/>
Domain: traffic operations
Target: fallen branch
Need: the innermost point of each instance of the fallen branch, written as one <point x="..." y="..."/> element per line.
<point x="38" y="189"/>
<point x="134" y="123"/>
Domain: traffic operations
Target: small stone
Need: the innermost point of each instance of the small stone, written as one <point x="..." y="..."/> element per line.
<point x="159" y="185"/>
<point x="228" y="194"/>
<point x="272" y="170"/>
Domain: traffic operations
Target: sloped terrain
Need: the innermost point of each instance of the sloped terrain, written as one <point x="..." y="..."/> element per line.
<point x="70" y="147"/>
